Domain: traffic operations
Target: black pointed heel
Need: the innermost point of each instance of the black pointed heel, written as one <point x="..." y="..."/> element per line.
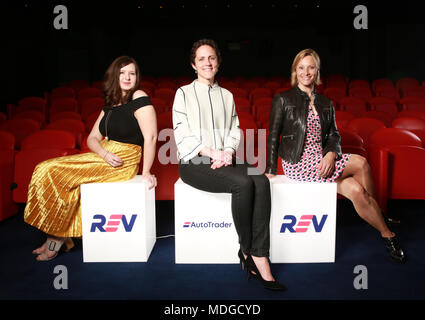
<point x="241" y="259"/>
<point x="394" y="249"/>
<point x="252" y="271"/>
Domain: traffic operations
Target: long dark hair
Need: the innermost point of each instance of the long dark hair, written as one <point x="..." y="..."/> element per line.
<point x="111" y="85"/>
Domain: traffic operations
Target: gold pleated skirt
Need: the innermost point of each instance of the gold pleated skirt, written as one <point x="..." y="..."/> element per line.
<point x="53" y="204"/>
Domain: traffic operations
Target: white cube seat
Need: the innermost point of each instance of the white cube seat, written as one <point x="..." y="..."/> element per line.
<point x="204" y="228"/>
<point x="118" y="221"/>
<point x="303" y="221"/>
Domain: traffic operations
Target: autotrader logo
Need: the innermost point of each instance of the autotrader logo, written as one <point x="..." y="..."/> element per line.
<point x="207" y="225"/>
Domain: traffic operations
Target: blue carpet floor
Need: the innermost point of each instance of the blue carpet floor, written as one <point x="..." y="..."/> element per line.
<point x="23" y="278"/>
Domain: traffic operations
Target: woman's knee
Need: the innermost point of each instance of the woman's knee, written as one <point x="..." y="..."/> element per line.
<point x="353" y="190"/>
<point x="361" y="164"/>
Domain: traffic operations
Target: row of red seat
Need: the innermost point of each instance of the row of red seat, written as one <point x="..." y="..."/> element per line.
<point x="396" y="150"/>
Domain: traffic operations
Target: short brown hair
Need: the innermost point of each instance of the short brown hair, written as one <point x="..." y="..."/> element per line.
<point x="111" y="85"/>
<point x="301" y="55"/>
<point x="204" y="42"/>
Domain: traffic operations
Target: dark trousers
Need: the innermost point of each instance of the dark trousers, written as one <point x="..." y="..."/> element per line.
<point x="251" y="200"/>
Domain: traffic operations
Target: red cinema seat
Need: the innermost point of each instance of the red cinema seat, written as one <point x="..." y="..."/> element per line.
<point x="364" y="127"/>
<point x="415" y="125"/>
<point x="388" y="92"/>
<point x="239" y="93"/>
<point x="91" y="105"/>
<point x="383" y="116"/>
<point x="160" y="105"/>
<point x="37" y="147"/>
<point x="413" y="103"/>
<point x="32" y="103"/>
<point x="411" y="114"/>
<point x="361" y="93"/>
<point x="273" y="85"/>
<point x="383" y="104"/>
<point x="359" y="83"/>
<point x="3" y="117"/>
<point x="76" y="127"/>
<point x="417" y="91"/>
<point x="65" y="115"/>
<point x="382" y="83"/>
<point x="257" y="93"/>
<point x="354" y="105"/>
<point x="407" y="82"/>
<point x="387" y="137"/>
<point x="63" y="104"/>
<point x="351" y="142"/>
<point x="342" y="118"/>
<point x="166" y="94"/>
<point x="400" y="173"/>
<point x="7" y="162"/>
<point x="31" y="114"/>
<point x="242" y="105"/>
<point x="20" y="128"/>
<point x="335" y="94"/>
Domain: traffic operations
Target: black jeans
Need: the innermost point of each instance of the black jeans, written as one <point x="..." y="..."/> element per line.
<point x="251" y="200"/>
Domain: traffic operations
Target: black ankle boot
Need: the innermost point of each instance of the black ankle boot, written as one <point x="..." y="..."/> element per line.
<point x="393" y="247"/>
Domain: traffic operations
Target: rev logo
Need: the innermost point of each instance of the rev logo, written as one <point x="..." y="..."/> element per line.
<point x="113" y="223"/>
<point x="303" y="224"/>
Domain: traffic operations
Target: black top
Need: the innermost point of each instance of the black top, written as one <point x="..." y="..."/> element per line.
<point x="120" y="124"/>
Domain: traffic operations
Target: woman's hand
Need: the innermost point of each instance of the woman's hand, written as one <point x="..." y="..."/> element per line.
<point x="112" y="159"/>
<point x="150" y="179"/>
<point x="270" y="175"/>
<point x="221" y="158"/>
<point x="327" y="165"/>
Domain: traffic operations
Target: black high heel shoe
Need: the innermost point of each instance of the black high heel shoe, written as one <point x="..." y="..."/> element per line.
<point x="242" y="259"/>
<point x="393" y="247"/>
<point x="252" y="271"/>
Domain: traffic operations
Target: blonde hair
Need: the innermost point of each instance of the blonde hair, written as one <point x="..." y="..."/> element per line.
<point x="301" y="55"/>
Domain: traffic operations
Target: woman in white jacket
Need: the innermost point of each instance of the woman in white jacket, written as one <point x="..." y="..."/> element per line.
<point x="207" y="134"/>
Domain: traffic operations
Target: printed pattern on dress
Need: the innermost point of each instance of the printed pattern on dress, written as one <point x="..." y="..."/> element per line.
<point x="307" y="168"/>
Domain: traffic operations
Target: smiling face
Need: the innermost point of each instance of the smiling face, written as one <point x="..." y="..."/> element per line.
<point x="306" y="72"/>
<point x="128" y="77"/>
<point x="206" y="64"/>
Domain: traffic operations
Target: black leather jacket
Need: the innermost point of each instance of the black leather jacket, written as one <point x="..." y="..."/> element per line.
<point x="288" y="122"/>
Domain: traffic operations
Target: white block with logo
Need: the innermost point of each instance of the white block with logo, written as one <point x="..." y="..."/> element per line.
<point x="204" y="228"/>
<point x="118" y="221"/>
<point x="303" y="221"/>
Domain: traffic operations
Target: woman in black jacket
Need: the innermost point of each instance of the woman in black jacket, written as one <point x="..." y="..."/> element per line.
<point x="303" y="133"/>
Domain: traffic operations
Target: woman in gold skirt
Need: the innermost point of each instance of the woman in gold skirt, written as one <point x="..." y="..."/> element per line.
<point x="126" y="123"/>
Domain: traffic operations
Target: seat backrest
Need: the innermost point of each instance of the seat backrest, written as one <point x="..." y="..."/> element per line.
<point x="350" y="138"/>
<point x="409" y="123"/>
<point x="49" y="138"/>
<point x="91" y="105"/>
<point x="359" y="83"/>
<point x="67" y="124"/>
<point x="63" y="104"/>
<point x="32" y="103"/>
<point x="411" y="114"/>
<point x="7" y="140"/>
<point x="383" y="116"/>
<point x="394" y="136"/>
<point x="364" y="127"/>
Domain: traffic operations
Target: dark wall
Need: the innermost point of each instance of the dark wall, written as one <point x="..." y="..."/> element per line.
<point x="256" y="38"/>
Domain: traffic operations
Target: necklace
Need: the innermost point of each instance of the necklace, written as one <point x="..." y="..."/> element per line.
<point x="106" y="124"/>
